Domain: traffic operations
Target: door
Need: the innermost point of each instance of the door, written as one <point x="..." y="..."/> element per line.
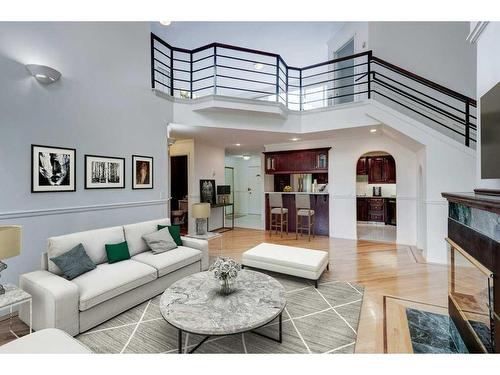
<point x="344" y="74"/>
<point x="254" y="190"/>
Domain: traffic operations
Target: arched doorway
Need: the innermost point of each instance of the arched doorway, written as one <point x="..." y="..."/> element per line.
<point x="376" y="197"/>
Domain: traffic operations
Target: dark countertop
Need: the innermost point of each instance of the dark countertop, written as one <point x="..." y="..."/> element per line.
<point x="481" y="201"/>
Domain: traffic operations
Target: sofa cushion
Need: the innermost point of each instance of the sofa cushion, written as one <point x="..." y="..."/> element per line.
<point x="93" y="241"/>
<point x="110" y="280"/>
<point x="74" y="262"/>
<point x="134" y="233"/>
<point x="169" y="261"/>
<point x="117" y="252"/>
<point x="175" y="232"/>
<point x="160" y="241"/>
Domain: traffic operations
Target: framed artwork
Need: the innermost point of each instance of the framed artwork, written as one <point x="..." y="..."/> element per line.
<point x="104" y="172"/>
<point x="207" y="191"/>
<point x="53" y="169"/>
<point x="142" y="172"/>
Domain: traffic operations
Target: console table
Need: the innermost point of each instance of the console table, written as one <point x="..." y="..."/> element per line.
<point x="474" y="269"/>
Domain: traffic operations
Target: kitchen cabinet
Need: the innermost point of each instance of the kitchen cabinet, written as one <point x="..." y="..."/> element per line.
<point x="362" y="167"/>
<point x="376" y="209"/>
<point x="297" y="161"/>
<point x="391" y="212"/>
<point x="381" y="170"/>
<point x="362" y="209"/>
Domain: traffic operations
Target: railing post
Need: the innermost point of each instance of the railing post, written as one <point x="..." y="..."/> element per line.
<point x="286" y="87"/>
<point x="369" y="74"/>
<point x="152" y="62"/>
<point x="215" y="70"/>
<point x="171" y="71"/>
<point x="301" y="106"/>
<point x="277" y="79"/>
<point x="467" y="123"/>
<point x="191" y="75"/>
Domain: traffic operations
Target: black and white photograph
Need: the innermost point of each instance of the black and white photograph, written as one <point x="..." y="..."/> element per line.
<point x="104" y="172"/>
<point x="52" y="169"/>
<point x="207" y="191"/>
<point x="142" y="172"/>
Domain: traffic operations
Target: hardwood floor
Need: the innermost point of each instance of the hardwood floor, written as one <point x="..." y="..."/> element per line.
<point x="384" y="270"/>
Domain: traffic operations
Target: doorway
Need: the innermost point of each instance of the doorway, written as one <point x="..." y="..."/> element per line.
<point x="179" y="191"/>
<point x="344" y="75"/>
<point x="376" y="197"/>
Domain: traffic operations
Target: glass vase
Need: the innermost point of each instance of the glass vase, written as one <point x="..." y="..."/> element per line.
<point x="225" y="286"/>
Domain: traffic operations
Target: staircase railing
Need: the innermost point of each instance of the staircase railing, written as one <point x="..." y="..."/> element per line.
<point x="222" y="69"/>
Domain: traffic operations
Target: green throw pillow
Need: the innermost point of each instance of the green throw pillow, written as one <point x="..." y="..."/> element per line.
<point x="117" y="252"/>
<point x="175" y="232"/>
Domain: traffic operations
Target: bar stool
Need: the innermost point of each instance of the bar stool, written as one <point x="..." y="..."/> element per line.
<point x="278" y="213"/>
<point x="303" y="208"/>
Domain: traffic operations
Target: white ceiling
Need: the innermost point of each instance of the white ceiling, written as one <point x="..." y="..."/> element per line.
<point x="299" y="43"/>
<point x="253" y="141"/>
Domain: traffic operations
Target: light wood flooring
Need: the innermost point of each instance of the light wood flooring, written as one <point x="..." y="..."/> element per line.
<point x="383" y="269"/>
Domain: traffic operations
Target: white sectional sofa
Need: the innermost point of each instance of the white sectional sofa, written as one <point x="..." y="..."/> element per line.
<point x="77" y="305"/>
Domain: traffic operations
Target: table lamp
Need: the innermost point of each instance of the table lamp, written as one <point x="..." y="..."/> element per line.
<point x="10" y="245"/>
<point x="201" y="212"/>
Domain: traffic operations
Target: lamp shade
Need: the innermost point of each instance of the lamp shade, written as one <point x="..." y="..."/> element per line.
<point x="201" y="210"/>
<point x="223" y="189"/>
<point x="10" y="241"/>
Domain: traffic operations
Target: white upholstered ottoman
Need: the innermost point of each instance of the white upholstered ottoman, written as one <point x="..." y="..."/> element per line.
<point x="295" y="261"/>
<point x="45" y="341"/>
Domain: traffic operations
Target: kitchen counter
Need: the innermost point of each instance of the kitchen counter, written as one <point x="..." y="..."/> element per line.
<point x="372" y="197"/>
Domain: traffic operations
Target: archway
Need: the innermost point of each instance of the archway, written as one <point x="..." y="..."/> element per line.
<point x="376" y="197"/>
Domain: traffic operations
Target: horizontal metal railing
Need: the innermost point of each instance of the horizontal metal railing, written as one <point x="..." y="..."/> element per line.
<point x="222" y="69"/>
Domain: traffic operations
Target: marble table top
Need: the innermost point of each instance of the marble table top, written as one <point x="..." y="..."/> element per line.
<point x="13" y="294"/>
<point x="195" y="305"/>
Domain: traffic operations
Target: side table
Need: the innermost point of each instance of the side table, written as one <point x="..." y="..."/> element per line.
<point x="15" y="296"/>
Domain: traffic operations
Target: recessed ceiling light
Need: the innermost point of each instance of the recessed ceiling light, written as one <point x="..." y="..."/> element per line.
<point x="246" y="157"/>
<point x="373" y="130"/>
<point x="237" y="144"/>
<point x="258" y="66"/>
<point x="165" y="23"/>
<point x="295" y="139"/>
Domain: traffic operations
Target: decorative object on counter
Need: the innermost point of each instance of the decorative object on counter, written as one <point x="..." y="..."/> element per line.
<point x="104" y="172"/>
<point x="278" y="213"/>
<point x="201" y="212"/>
<point x="287" y="189"/>
<point x="223" y="192"/>
<point x="225" y="270"/>
<point x="142" y="172"/>
<point x="53" y="169"/>
<point x="322" y="188"/>
<point x="207" y="191"/>
<point x="10" y="245"/>
<point x="377" y="191"/>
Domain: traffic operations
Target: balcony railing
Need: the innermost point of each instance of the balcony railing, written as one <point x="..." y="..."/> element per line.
<point x="221" y="69"/>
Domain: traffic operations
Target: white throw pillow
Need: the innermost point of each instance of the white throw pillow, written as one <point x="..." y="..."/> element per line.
<point x="160" y="241"/>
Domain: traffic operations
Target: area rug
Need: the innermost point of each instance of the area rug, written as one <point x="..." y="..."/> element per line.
<point x="323" y="320"/>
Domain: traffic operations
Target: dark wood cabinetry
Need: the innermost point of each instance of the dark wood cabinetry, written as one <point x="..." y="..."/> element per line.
<point x="376" y="209"/>
<point x="297" y="161"/>
<point x="380" y="169"/>
<point x="362" y="209"/>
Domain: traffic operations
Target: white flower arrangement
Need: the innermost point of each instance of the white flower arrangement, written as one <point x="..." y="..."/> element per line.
<point x="225" y="268"/>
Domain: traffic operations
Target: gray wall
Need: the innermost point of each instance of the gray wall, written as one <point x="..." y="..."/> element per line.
<point x="102" y="105"/>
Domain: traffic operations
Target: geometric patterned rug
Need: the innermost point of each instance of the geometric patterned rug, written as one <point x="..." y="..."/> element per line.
<point x="323" y="320"/>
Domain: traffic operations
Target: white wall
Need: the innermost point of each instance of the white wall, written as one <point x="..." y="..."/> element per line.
<point x="488" y="75"/>
<point x="102" y="105"/>
<point x="435" y="50"/>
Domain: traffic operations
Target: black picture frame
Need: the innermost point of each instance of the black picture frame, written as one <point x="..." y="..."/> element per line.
<point x="135" y="184"/>
<point x="207" y="195"/>
<point x="36" y="187"/>
<point x="88" y="185"/>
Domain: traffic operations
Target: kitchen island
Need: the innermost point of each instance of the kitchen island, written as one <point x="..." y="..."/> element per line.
<point x="319" y="203"/>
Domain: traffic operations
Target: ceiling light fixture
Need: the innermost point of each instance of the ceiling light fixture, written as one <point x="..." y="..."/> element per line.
<point x="258" y="66"/>
<point x="43" y="74"/>
<point x="165" y="23"/>
<point x="246" y="157"/>
<point x="295" y="139"/>
<point x="373" y="130"/>
<point x="237" y="144"/>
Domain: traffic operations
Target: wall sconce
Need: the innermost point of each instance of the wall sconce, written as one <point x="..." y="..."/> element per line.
<point x="43" y="74"/>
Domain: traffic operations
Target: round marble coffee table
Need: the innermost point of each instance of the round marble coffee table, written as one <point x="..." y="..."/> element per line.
<point x="194" y="305"/>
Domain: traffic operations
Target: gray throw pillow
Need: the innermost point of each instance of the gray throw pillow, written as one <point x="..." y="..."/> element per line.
<point x="160" y="241"/>
<point x="75" y="262"/>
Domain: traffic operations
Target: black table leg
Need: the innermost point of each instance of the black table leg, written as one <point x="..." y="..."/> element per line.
<point x="179" y="338"/>
<point x="280" y="331"/>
